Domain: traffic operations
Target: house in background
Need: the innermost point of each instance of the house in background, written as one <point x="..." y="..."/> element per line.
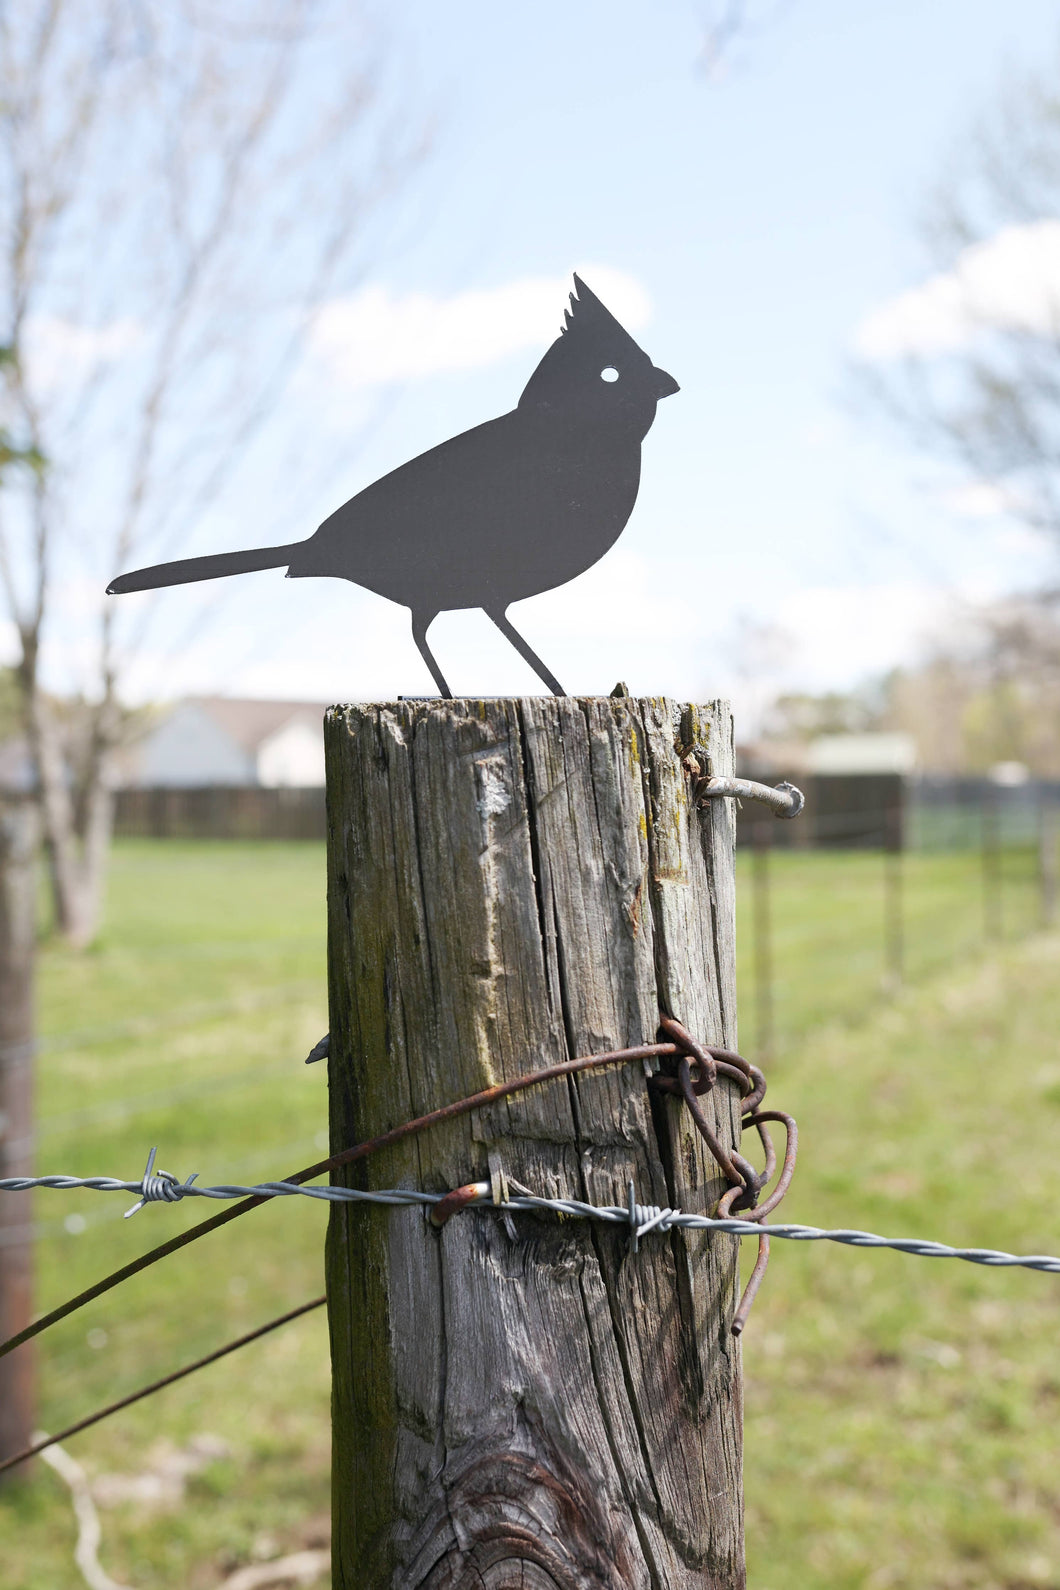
<point x="858" y="755"/>
<point x="211" y="741"/>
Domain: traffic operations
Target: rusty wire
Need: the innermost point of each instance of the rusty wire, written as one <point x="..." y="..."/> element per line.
<point x="709" y="1063"/>
<point x="160" y="1385"/>
<point x="697" y="1069"/>
<point x="746" y="1185"/>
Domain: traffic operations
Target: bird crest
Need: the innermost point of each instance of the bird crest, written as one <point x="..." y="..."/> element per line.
<point x="587" y="312"/>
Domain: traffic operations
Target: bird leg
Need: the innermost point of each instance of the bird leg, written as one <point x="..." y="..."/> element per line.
<point x="420" y="626"/>
<point x="512" y="634"/>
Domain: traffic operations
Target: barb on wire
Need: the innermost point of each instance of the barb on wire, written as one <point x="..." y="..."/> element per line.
<point x="160" y="1188"/>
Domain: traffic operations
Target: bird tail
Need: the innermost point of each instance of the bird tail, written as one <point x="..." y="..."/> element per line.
<point x="186" y="570"/>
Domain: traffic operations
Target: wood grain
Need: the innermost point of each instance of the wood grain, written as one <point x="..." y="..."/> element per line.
<point x="511" y="883"/>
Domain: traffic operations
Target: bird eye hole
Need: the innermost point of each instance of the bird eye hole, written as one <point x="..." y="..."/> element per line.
<point x="609" y="373"/>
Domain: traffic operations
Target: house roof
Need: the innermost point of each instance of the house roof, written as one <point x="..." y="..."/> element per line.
<point x="250" y="722"/>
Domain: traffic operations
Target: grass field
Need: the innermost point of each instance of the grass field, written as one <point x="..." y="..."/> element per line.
<point x="901" y="1413"/>
<point x="186" y="1027"/>
<point x="828" y="935"/>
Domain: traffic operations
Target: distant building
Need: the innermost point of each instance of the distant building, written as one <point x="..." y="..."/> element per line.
<point x="861" y="753"/>
<point x="218" y="740"/>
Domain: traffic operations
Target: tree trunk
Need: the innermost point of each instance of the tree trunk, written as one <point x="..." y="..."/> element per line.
<point x="512" y="883"/>
<point x="77" y="853"/>
<point x="18" y="942"/>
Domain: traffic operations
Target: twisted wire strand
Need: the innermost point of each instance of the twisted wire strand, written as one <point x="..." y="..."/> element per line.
<point x="639" y="1219"/>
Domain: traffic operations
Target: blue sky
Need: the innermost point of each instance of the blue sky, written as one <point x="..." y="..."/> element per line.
<point x="750" y="222"/>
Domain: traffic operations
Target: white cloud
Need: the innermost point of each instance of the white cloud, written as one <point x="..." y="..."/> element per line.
<point x="842" y="633"/>
<point x="375" y="336"/>
<point x="1010" y="282"/>
<point x="979" y="499"/>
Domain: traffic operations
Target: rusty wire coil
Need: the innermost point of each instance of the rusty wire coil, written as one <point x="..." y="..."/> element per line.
<point x="698" y="1068"/>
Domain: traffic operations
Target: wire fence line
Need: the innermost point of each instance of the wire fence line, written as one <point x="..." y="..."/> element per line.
<point x="77" y="1223"/>
<point x="640" y="1219"/>
<point x="120" y="1112"/>
<point x="886" y="894"/>
<point x="347" y="1156"/>
<point x="182" y="1015"/>
<point x="1014" y="829"/>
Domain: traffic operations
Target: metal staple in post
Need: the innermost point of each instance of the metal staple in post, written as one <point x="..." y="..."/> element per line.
<point x="783" y="800"/>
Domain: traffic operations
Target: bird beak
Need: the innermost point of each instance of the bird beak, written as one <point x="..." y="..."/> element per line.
<point x="665" y="385"/>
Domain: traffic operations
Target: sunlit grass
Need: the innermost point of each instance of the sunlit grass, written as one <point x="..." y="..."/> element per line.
<point x="902" y="1413"/>
<point x="185" y="1027"/>
<point x="829" y="935"/>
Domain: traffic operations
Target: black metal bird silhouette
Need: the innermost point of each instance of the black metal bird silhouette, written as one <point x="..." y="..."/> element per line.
<point x="511" y="508"/>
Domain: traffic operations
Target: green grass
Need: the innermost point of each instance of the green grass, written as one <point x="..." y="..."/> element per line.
<point x="827" y="911"/>
<point x="900" y="1411"/>
<point x="187" y="1027"/>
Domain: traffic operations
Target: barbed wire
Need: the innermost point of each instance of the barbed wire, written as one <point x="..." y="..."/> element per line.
<point x="697" y="1069"/>
<point x="745" y="1187"/>
<point x="43" y="1230"/>
<point x="640" y="1219"/>
<point x="346" y="1156"/>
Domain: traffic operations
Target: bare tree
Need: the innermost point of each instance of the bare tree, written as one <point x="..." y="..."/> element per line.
<point x="968" y="363"/>
<point x="988" y="692"/>
<point x="180" y="185"/>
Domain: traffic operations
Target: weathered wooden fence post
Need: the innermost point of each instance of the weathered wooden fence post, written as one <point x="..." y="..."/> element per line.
<point x="511" y="883"/>
<point x="18" y="943"/>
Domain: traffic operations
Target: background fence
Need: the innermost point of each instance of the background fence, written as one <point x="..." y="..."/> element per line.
<point x="882" y="880"/>
<point x="220" y="812"/>
<point x="915" y="874"/>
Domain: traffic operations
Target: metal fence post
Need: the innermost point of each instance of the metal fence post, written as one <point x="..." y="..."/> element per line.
<point x="990" y="825"/>
<point x="893" y="899"/>
<point x="1048" y="870"/>
<point x="762" y="929"/>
